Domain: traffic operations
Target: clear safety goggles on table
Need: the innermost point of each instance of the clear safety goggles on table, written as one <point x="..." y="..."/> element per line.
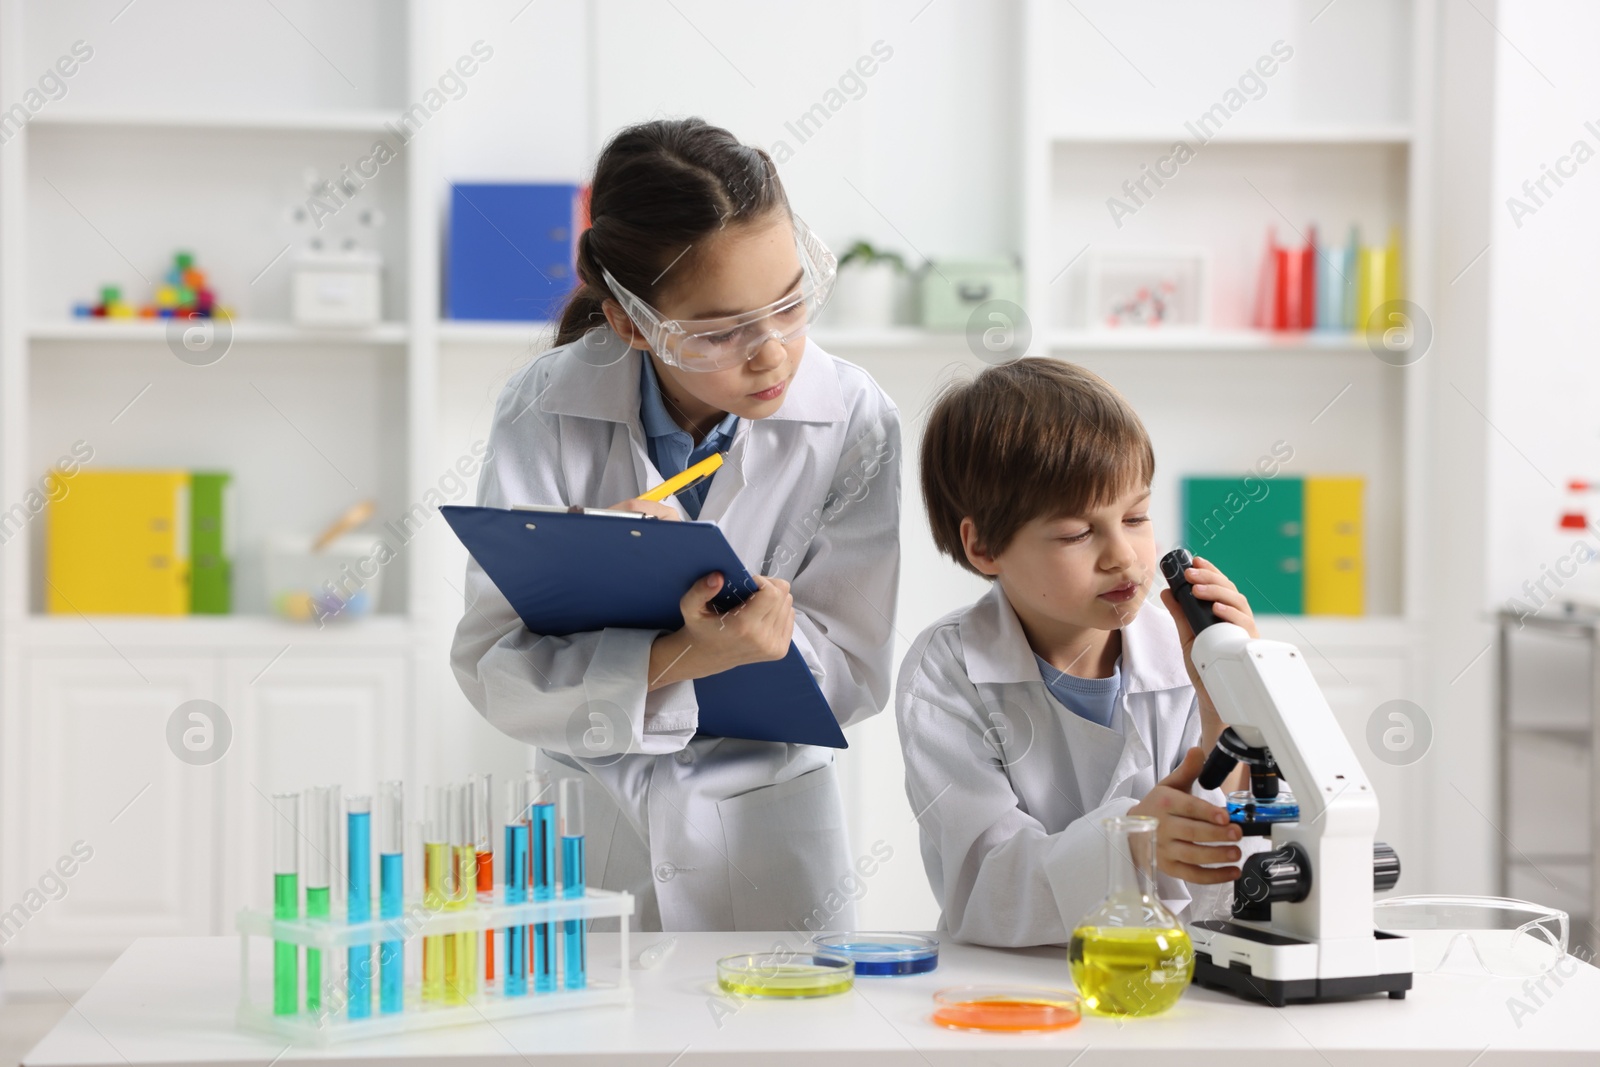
<point x="1455" y="934"/>
<point x="716" y="344"/>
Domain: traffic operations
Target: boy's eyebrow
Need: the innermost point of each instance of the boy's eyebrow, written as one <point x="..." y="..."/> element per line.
<point x="1140" y="499"/>
<point x="724" y="314"/>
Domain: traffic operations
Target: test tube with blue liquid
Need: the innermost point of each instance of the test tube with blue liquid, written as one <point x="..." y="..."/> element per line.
<point x="319" y="880"/>
<point x="542" y="845"/>
<point x="574" y="950"/>
<point x="391" y="892"/>
<point x="516" y="865"/>
<point x="358" y="902"/>
<point x="285" y="901"/>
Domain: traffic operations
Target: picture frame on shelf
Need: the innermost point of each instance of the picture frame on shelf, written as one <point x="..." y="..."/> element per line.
<point x="1149" y="288"/>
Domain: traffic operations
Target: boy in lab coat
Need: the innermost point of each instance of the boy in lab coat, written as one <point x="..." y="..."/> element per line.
<point x="1054" y="701"/>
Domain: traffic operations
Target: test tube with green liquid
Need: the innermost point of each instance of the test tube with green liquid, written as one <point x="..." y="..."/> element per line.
<point x="358" y="902"/>
<point x="461" y="971"/>
<point x="319" y="880"/>
<point x="435" y="891"/>
<point x="483" y="845"/>
<point x="285" y="901"/>
<point x="574" y="949"/>
<point x="391" y="892"/>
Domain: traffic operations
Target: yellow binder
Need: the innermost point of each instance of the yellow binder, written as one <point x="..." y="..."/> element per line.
<point x="118" y="544"/>
<point x="1335" y="573"/>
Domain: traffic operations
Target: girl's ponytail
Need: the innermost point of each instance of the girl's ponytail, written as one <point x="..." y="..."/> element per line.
<point x="585" y="307"/>
<point x="659" y="189"/>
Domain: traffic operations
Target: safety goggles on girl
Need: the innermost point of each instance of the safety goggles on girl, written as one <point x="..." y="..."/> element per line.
<point x="716" y="344"/>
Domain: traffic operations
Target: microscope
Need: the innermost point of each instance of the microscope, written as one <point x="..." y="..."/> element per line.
<point x="1302" y="912"/>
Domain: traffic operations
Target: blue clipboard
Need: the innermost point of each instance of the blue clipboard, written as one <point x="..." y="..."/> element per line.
<point x="568" y="573"/>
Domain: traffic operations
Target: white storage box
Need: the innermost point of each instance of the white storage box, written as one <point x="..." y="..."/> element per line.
<point x="337" y="288"/>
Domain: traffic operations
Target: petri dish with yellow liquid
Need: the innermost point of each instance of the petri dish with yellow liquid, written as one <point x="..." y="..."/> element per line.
<point x="785" y="975"/>
<point x="1006" y="1009"/>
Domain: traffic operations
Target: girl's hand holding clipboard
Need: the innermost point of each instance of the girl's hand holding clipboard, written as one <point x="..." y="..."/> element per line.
<point x="710" y="642"/>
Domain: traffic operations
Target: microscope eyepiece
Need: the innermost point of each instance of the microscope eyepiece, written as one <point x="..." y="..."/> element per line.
<point x="1197" y="612"/>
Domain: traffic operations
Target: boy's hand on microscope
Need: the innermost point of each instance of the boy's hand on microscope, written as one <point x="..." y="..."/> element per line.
<point x="1188" y="829"/>
<point x="1229" y="605"/>
<point x="709" y="643"/>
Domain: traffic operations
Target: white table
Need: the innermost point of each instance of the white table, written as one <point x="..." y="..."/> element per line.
<point x="172" y="1001"/>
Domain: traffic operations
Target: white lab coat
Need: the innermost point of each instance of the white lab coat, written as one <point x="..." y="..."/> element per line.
<point x="1011" y="842"/>
<point x="708" y="833"/>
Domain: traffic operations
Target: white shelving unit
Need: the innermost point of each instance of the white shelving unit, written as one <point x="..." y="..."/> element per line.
<point x="308" y="421"/>
<point x="244" y="332"/>
<point x="373" y="121"/>
<point x="1288" y="156"/>
<point x="1268" y="135"/>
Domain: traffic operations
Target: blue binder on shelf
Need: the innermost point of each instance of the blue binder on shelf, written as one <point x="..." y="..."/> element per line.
<point x="511" y="250"/>
<point x="567" y="573"/>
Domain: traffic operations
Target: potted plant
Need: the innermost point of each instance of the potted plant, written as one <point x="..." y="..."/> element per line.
<point x="867" y="291"/>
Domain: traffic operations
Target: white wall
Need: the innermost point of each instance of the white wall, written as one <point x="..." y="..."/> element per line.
<point x="1538" y="400"/>
<point x="1460" y="707"/>
<point x="1543" y="380"/>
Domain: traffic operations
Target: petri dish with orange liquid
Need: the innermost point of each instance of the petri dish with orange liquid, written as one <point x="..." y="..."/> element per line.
<point x="1006" y="1009"/>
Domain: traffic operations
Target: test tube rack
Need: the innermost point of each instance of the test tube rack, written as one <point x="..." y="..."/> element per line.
<point x="333" y="1024"/>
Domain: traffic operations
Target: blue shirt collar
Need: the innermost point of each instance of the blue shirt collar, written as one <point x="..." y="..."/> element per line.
<point x="657" y="419"/>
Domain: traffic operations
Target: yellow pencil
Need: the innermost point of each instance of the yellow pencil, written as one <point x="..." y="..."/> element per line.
<point x="704" y="469"/>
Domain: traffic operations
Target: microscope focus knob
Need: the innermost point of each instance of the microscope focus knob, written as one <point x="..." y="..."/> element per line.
<point x="1385" y="867"/>
<point x="1284" y="874"/>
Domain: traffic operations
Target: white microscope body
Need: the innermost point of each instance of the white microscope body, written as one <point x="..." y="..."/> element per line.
<point x="1302" y="926"/>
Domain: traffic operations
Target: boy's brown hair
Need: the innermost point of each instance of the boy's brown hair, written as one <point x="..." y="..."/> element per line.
<point x="1033" y="438"/>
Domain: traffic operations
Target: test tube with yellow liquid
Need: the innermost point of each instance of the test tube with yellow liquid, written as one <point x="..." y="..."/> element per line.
<point x="461" y="963"/>
<point x="436" y="891"/>
<point x="1130" y="956"/>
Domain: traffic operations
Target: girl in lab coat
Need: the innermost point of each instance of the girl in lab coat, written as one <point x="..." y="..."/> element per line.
<point x="688" y="336"/>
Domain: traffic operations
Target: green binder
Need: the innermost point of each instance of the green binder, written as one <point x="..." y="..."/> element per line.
<point x="210" y="534"/>
<point x="1251" y="529"/>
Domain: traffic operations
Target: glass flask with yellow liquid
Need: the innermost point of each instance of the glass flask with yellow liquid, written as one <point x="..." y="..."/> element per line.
<point x="1130" y="956"/>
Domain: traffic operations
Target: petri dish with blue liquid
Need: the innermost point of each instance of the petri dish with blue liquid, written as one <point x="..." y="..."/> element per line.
<point x="883" y="955"/>
<point x="1257" y="815"/>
